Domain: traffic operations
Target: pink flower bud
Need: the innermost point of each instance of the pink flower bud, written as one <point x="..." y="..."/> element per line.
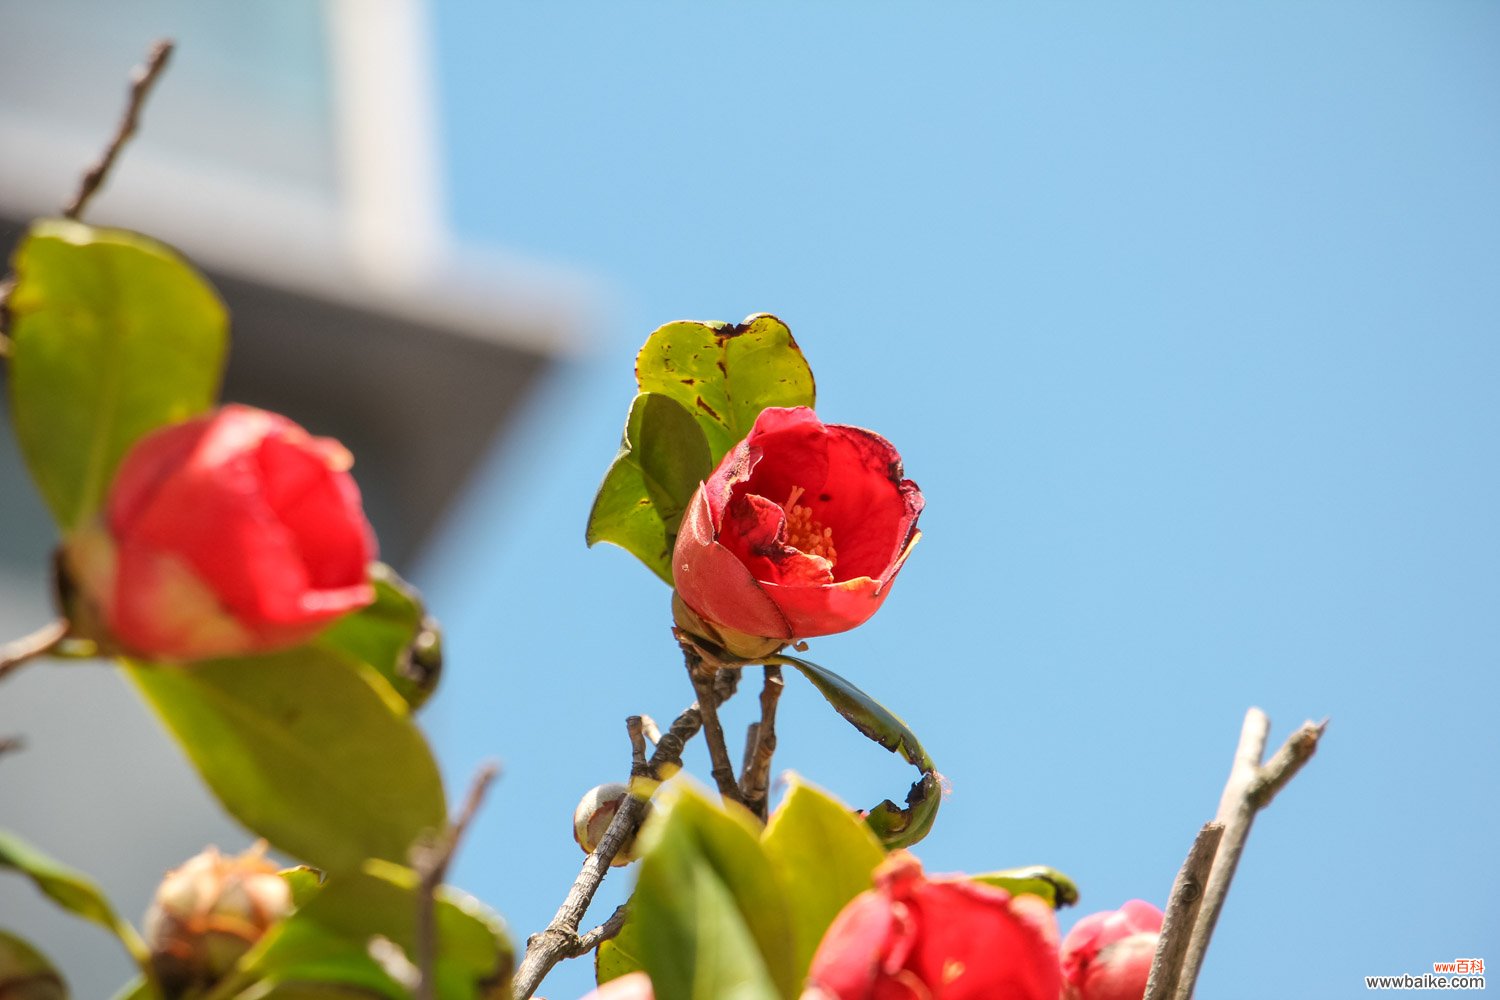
<point x="234" y="533"/>
<point x="635" y="986"/>
<point x="209" y="912"/>
<point x="1107" y="956"/>
<point x="799" y="532"/>
<point x="943" y="939"/>
<point x="595" y="812"/>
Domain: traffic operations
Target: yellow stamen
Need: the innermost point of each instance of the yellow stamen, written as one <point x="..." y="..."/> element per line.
<point x="804" y="532"/>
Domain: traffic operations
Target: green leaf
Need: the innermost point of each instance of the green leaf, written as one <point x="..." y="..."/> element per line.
<point x="724" y="375"/>
<point x="895" y="826"/>
<point x="328" y="941"/>
<point x="823" y="856"/>
<point x="663" y="457"/>
<point x="70" y="889"/>
<point x="620" y="955"/>
<point x="1035" y="880"/>
<point x="395" y="635"/>
<point x="315" y="753"/>
<point x="113" y="335"/>
<point x="714" y="924"/>
<point x="137" y="989"/>
<point x="26" y="973"/>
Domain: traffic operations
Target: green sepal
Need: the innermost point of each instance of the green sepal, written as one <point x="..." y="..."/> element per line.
<point x="395" y="635"/>
<point x="1034" y="880"/>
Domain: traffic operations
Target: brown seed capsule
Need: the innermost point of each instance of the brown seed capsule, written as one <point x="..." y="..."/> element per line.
<point x="209" y="912"/>
<point x="596" y="810"/>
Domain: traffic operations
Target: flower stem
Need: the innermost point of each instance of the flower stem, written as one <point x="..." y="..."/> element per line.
<point x="755" y="778"/>
<point x="702" y="676"/>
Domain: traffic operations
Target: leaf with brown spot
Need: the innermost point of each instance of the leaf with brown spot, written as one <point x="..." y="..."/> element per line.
<point x="726" y="374"/>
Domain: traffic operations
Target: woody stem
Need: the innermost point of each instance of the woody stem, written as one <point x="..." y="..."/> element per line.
<point x="702" y="675"/>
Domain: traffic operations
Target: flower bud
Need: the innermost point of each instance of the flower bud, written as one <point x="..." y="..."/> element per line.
<point x="209" y="912"/>
<point x="1107" y="956"/>
<point x="595" y="812"/>
<point x="231" y="534"/>
<point x="634" y="986"/>
<point x="943" y="938"/>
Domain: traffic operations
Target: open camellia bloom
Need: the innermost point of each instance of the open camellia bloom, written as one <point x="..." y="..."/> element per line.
<point x="237" y="532"/>
<point x="1107" y="956"/>
<point x="799" y="532"/>
<point x="915" y="938"/>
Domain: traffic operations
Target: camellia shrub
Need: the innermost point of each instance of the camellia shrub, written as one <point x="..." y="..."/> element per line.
<point x="219" y="555"/>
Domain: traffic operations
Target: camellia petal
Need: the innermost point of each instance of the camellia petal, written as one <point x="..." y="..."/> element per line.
<point x="1107" y="956"/>
<point x="936" y="939"/>
<point x="800" y="530"/>
<point x="234" y="533"/>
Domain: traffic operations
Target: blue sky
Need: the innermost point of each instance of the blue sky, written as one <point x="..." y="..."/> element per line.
<point x="1184" y="318"/>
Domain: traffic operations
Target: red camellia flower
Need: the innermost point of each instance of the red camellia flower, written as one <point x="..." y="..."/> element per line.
<point x="234" y="533"/>
<point x="799" y="531"/>
<point x="914" y="938"/>
<point x="1107" y="956"/>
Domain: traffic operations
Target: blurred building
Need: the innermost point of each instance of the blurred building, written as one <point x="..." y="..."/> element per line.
<point x="291" y="151"/>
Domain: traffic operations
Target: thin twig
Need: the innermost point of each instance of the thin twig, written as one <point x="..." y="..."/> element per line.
<point x="755" y="779"/>
<point x="141" y="82"/>
<point x="1182" y="913"/>
<point x="431" y="862"/>
<point x="701" y="674"/>
<point x="636" y="730"/>
<point x="594" y="938"/>
<point x="548" y="947"/>
<point x="44" y="640"/>
<point x="747" y="756"/>
<point x="1251" y="786"/>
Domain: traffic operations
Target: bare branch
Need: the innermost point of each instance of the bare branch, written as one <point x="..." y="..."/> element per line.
<point x="702" y="673"/>
<point x="1182" y="913"/>
<point x="560" y="939"/>
<point x="755" y="779"/>
<point x="141" y="82"/>
<point x="14" y="655"/>
<point x="431" y="862"/>
<point x="1250" y="788"/>
<point x="594" y="938"/>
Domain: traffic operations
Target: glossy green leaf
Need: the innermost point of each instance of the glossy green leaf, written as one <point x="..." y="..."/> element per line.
<point x="1034" y="880"/>
<point x="395" y="635"/>
<point x="113" y="335"/>
<point x="663" y="457"/>
<point x="894" y="825"/>
<point x="27" y="974"/>
<point x="329" y="942"/>
<point x="70" y="889"/>
<point x="725" y="374"/>
<point x="620" y="955"/>
<point x="315" y="753"/>
<point x="713" y="921"/>
<point x="823" y="856"/>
